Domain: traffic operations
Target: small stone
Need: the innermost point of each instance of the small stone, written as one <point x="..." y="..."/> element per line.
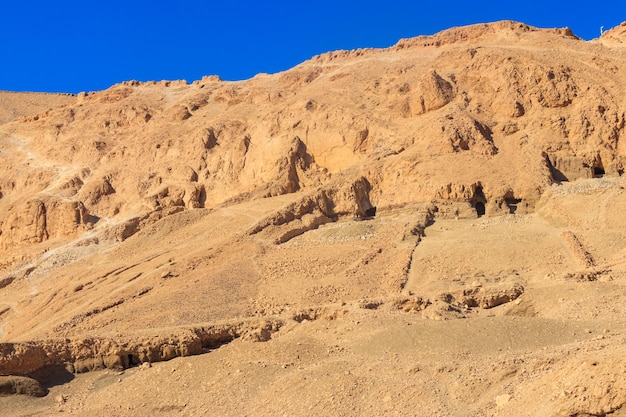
<point x="502" y="400"/>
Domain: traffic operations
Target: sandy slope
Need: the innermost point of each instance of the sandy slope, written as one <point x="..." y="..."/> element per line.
<point x="558" y="349"/>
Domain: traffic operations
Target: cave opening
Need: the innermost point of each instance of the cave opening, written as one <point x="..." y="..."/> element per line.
<point x="598" y="172"/>
<point x="480" y="208"/>
<point x="133" y="360"/>
<point x="597" y="168"/>
<point x="512" y="203"/>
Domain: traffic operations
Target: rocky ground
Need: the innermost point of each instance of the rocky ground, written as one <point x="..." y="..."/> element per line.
<point x="431" y="229"/>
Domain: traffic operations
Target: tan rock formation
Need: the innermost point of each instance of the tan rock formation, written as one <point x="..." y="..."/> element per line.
<point x="434" y="226"/>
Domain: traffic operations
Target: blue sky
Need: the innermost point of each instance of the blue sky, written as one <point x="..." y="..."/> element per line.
<point x="72" y="46"/>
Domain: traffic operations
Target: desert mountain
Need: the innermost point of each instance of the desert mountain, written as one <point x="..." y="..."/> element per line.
<point x="434" y="228"/>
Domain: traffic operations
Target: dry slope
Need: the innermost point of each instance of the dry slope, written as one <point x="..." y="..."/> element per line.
<point x="432" y="228"/>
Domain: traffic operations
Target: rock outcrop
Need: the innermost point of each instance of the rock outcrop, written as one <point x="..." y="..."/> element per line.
<point x="200" y="145"/>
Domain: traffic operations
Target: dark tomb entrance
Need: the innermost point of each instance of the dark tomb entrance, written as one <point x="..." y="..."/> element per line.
<point x="480" y="208"/>
<point x="597" y="169"/>
<point x="598" y="172"/>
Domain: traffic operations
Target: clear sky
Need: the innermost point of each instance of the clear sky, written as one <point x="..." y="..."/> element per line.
<point x="88" y="45"/>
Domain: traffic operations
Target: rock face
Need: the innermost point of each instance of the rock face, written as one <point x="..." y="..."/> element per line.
<point x="474" y="107"/>
<point x="88" y="354"/>
<point x="35" y="221"/>
<point x="367" y="214"/>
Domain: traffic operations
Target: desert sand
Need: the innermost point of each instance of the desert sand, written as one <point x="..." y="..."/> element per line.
<point x="431" y="229"/>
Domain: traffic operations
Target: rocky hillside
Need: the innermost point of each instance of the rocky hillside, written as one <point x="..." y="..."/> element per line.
<point x="164" y="219"/>
<point x="494" y="113"/>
